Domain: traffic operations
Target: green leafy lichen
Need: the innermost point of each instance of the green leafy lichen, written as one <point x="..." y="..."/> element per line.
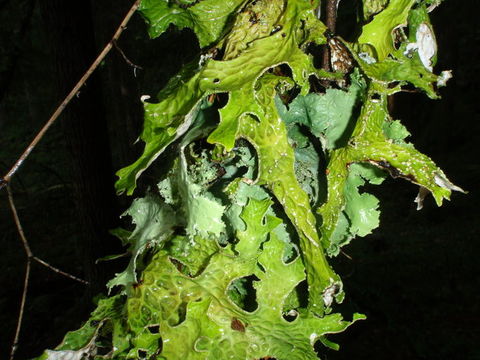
<point x="154" y="222"/>
<point x="195" y="316"/>
<point x="379" y="32"/>
<point x="252" y="205"/>
<point x="207" y="18"/>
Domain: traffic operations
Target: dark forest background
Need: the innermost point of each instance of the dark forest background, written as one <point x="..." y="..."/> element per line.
<point x="416" y="277"/>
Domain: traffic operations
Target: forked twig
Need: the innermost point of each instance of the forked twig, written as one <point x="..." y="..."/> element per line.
<point x="5" y="180"/>
<point x="127" y="60"/>
<point x="30" y="257"/>
<point x="69" y="97"/>
<point x="18" y="224"/>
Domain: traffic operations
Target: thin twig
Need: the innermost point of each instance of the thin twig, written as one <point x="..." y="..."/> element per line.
<point x="346" y="255"/>
<point x="22" y="307"/>
<point x="28" y="251"/>
<point x="30" y="256"/>
<point x="127" y="60"/>
<point x="5" y="180"/>
<point x="58" y="271"/>
<point x="26" y="246"/>
<point x="27" y="271"/>
<point x="69" y="97"/>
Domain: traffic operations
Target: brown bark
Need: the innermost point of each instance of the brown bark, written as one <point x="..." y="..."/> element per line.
<point x="330" y="21"/>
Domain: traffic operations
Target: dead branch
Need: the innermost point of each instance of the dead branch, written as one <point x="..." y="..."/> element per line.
<point x="73" y="92"/>
<point x="30" y="257"/>
<point x="5" y="180"/>
<point x="125" y="58"/>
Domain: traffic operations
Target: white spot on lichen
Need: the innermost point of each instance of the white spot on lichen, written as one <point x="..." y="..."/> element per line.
<point x="367" y="58"/>
<point x="66" y="355"/>
<point x="410" y="48"/>
<point x="427" y="46"/>
<point x="143" y="98"/>
<point x="329" y="293"/>
<point x="292" y="312"/>
<point x="422" y="192"/>
<point x="87" y="352"/>
<point x="441" y="180"/>
<point x="434" y="5"/>
<point x="248" y="181"/>
<point x="444" y="77"/>
<point x="203" y="60"/>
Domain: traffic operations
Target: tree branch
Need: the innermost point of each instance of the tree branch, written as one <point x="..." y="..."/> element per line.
<point x="30" y="257"/>
<point x="22" y="307"/>
<point x="331" y="22"/>
<point x="5" y="180"/>
<point x="69" y="97"/>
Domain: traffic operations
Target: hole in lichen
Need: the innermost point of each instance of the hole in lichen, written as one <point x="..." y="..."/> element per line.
<point x="317" y="52"/>
<point x="160" y="346"/>
<point x="142" y="354"/>
<point x="260" y="266"/>
<point x="179" y="265"/>
<point x="179" y="231"/>
<point x="347" y="21"/>
<point x="243" y="293"/>
<point x="298" y="298"/>
<point x="290" y="315"/>
<point x="221" y="100"/>
<point x="104" y="340"/>
<point x="285" y="94"/>
<point x="393" y="84"/>
<point x="180" y="315"/>
<point x="398" y="38"/>
<point x="282" y="70"/>
<point x="154" y="329"/>
<point x="103" y="350"/>
<point x="182" y="312"/>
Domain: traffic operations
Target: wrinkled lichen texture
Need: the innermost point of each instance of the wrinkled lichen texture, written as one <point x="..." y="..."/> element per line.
<point x="265" y="190"/>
